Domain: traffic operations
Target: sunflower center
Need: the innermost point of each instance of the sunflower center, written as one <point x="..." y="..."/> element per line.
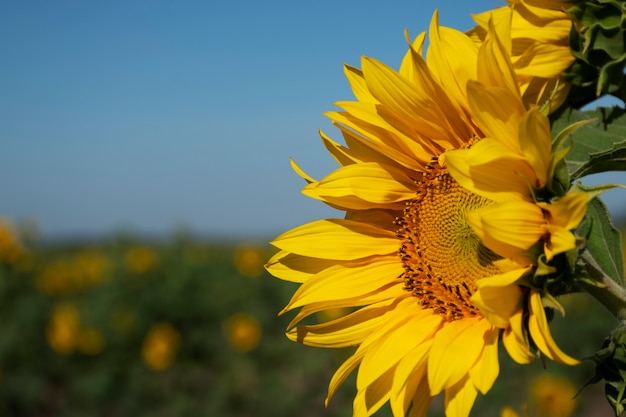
<point x="442" y="257"/>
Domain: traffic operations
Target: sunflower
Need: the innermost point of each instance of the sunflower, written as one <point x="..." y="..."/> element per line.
<point x="540" y="50"/>
<point x="432" y="258"/>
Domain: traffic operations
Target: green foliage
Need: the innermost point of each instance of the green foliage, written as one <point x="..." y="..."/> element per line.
<point x="197" y="287"/>
<point x="603" y="244"/>
<point x="599" y="145"/>
<point x="597" y="40"/>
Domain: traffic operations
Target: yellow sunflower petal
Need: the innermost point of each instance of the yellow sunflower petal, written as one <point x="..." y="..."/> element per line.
<point x="568" y="211"/>
<point x="359" y="186"/>
<point x="419" y="326"/>
<point x="300" y="172"/>
<point x="383" y="139"/>
<point x="506" y="278"/>
<point x="548" y="60"/>
<point x="422" y="108"/>
<point x="560" y="240"/>
<point x="536" y="144"/>
<point x="490" y="170"/>
<point x="540" y="332"/>
<point x="353" y="361"/>
<point x="392" y="291"/>
<point x="370" y="399"/>
<point x="410" y="374"/>
<point x="498" y="304"/>
<point x="494" y="62"/>
<point x="460" y="398"/>
<point x="452" y="57"/>
<point x="295" y="268"/>
<point x="487" y="368"/>
<point x="515" y="341"/>
<point x="461" y="340"/>
<point x="337" y="239"/>
<point x="497" y="112"/>
<point x="365" y="150"/>
<point x="345" y="281"/>
<point x="421" y="400"/>
<point x="342" y="373"/>
<point x="407" y="66"/>
<point x="341" y="154"/>
<point x="358" y="85"/>
<point x="511" y="223"/>
<point x="349" y="330"/>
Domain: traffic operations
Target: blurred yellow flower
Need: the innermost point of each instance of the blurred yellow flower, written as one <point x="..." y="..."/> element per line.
<point x="63" y="328"/>
<point x="249" y="261"/>
<point x="140" y="259"/>
<point x="55" y="278"/>
<point x="87" y="268"/>
<point x="552" y="396"/>
<point x="10" y="247"/>
<point x="243" y="332"/>
<point x="91" y="266"/>
<point x="160" y="346"/>
<point x="510" y="412"/>
<point x="90" y="341"/>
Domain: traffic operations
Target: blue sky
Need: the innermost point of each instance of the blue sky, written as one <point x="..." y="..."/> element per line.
<point x="150" y="115"/>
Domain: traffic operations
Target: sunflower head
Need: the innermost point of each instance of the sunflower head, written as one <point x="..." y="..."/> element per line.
<point x="445" y="179"/>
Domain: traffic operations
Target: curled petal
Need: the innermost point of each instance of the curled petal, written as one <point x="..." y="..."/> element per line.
<point x="540" y="332"/>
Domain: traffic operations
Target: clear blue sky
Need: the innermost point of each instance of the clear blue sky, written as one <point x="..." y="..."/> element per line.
<point x="154" y="114"/>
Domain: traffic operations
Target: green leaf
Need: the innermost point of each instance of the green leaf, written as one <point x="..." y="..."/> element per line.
<point x="599" y="146"/>
<point x="604" y="241"/>
<point x="613" y="159"/>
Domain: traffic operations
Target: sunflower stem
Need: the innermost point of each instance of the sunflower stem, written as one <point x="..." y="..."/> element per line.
<point x="608" y="292"/>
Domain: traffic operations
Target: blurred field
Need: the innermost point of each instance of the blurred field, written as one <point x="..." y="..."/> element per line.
<point x="187" y="327"/>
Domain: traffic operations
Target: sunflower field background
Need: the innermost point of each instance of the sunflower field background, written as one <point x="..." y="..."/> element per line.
<point x="125" y="326"/>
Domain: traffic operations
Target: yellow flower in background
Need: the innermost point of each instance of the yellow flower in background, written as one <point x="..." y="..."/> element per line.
<point x="508" y="412"/>
<point x="243" y="332"/>
<point x="87" y="268"/>
<point x="249" y="261"/>
<point x="552" y="396"/>
<point x="540" y="51"/>
<point x="434" y="284"/>
<point x="10" y="247"/>
<point x="63" y="328"/>
<point x="140" y="259"/>
<point x="92" y="267"/>
<point x="160" y="346"/>
<point x="65" y="333"/>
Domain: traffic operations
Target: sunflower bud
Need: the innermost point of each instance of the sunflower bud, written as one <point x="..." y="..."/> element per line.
<point x="611" y="366"/>
<point x="597" y="40"/>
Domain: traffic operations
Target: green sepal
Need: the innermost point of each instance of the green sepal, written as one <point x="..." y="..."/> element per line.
<point x="599" y="145"/>
<point x="562" y="144"/>
<point x="594" y="191"/>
